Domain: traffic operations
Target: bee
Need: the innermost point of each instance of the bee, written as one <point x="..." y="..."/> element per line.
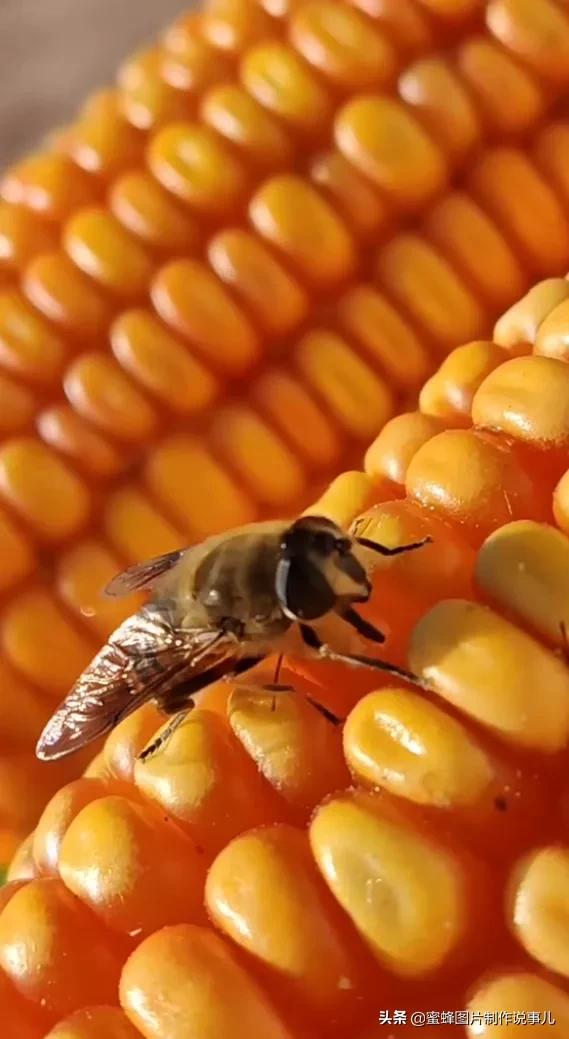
<point x="216" y="610"/>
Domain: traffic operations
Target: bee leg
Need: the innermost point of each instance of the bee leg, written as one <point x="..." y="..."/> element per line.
<point x="362" y="626"/>
<point x="180" y="715"/>
<point x="383" y="550"/>
<point x="328" y="715"/>
<point x="326" y="652"/>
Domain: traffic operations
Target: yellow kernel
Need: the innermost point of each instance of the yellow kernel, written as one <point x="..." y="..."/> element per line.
<point x="491" y="670"/>
<point x="344" y="499"/>
<point x="342" y="45"/>
<point x="192" y="300"/>
<point x="235" y="115"/>
<point x="508" y="184"/>
<point x="64" y="654"/>
<point x="385" y="142"/>
<point x="521" y="323"/>
<point x="190" y="161"/>
<point x="100" y="247"/>
<point x="65" y="296"/>
<point x="22" y="237"/>
<point x="136" y="528"/>
<point x="448" y="394"/>
<point x="102" y="141"/>
<point x="509" y="994"/>
<point x="101" y="393"/>
<point x="93" y="1022"/>
<point x="430" y="290"/>
<point x="359" y="399"/>
<point x="510" y="97"/>
<point x="82" y="573"/>
<point x="280" y="81"/>
<point x="403" y="893"/>
<point x="145" y="98"/>
<point x="358" y="202"/>
<point x="404" y="22"/>
<point x="474" y="244"/>
<point x="387" y="339"/>
<point x="300" y="223"/>
<point x="539" y="906"/>
<point x="49" y="184"/>
<point x="526" y="398"/>
<point x="435" y="91"/>
<point x="242" y="261"/>
<point x="150" y="213"/>
<point x="474" y="479"/>
<point x="28" y="346"/>
<point x="200" y="988"/>
<point x="295" y="748"/>
<point x="16" y="553"/>
<point x="398" y="740"/>
<point x="62" y="428"/>
<point x="290" y="407"/>
<point x="45" y="493"/>
<point x="537" y="31"/>
<point x="552" y="338"/>
<point x="300" y="937"/>
<point x="234" y="25"/>
<point x="210" y="502"/>
<point x="521" y="567"/>
<point x="392" y="451"/>
<point x="161" y="363"/>
<point x="18" y="406"/>
<point x="264" y="463"/>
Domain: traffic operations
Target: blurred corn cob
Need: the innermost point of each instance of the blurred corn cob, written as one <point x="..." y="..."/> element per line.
<point x="231" y="270"/>
<point x="329" y="903"/>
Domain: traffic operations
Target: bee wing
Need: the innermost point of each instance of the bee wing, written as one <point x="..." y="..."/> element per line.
<point x="143" y="659"/>
<point x="143" y="575"/>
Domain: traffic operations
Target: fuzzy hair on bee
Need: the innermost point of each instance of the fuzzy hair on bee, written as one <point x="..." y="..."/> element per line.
<point x="217" y="609"/>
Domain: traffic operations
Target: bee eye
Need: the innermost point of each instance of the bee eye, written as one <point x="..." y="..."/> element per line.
<point x="343" y="545"/>
<point x="302" y="590"/>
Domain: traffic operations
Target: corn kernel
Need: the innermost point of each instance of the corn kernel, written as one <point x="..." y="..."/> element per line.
<point x="92" y="1023"/>
<point x="241" y="260"/>
<point x="537" y="418"/>
<point x="537" y="32"/>
<point x="520" y="993"/>
<point x="490" y="669"/>
<point x="48" y="495"/>
<point x="403" y="893"/>
<point x="148" y="212"/>
<point x="282" y="83"/>
<point x="98" y="245"/>
<point x="190" y="161"/>
<point x="397" y="740"/>
<point x="342" y="45"/>
<point x="413" y="171"/>
<point x="194" y="303"/>
<point x="294" y="218"/>
<point x="98" y="390"/>
<point x="130" y="851"/>
<point x="161" y="363"/>
<point x="201" y="989"/>
<point x="238" y="117"/>
<point x="49" y="184"/>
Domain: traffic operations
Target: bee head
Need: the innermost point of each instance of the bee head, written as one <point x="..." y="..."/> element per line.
<point x="317" y="570"/>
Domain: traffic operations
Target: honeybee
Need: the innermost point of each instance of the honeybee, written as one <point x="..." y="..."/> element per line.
<point x="215" y="611"/>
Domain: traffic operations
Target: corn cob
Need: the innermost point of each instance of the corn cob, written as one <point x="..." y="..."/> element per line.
<point x="231" y="270"/>
<point x="268" y="874"/>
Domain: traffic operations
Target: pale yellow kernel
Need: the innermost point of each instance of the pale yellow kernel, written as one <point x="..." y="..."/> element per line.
<point x="396" y="739"/>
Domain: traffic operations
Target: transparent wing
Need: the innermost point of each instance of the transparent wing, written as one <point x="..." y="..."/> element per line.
<point x="143" y="575"/>
<point x="144" y="659"/>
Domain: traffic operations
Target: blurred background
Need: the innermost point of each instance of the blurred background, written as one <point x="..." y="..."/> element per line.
<point x="54" y="52"/>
